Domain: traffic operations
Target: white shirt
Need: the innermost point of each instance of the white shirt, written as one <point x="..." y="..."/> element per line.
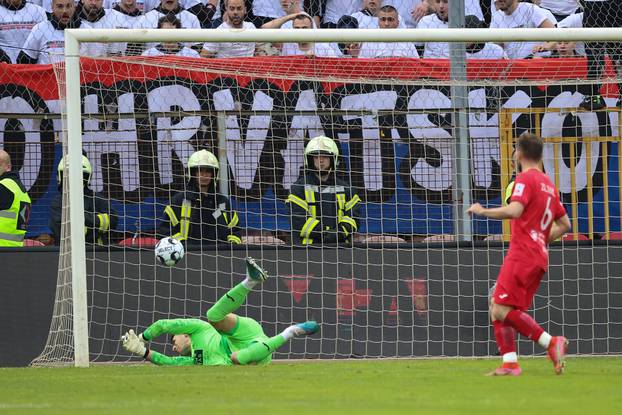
<point x="337" y="8"/>
<point x="371" y="22"/>
<point x="150" y="20"/>
<point x="125" y="21"/>
<point x="112" y="19"/>
<point x="232" y="49"/>
<point x="388" y="50"/>
<point x="489" y="51"/>
<point x="560" y="7"/>
<point x="526" y="15"/>
<point x="184" y="51"/>
<point x="140" y="4"/>
<point x="319" y="49"/>
<point x="45" y="43"/>
<point x="438" y="50"/>
<point x="404" y="9"/>
<point x="574" y="20"/>
<point x="15" y="26"/>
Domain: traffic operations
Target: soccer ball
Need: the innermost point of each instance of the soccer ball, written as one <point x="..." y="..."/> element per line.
<point x="169" y="251"/>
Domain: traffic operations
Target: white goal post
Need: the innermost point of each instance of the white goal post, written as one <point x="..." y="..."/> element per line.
<point x="75" y="37"/>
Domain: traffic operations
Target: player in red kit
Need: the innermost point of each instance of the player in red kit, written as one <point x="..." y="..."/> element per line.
<point x="538" y="217"/>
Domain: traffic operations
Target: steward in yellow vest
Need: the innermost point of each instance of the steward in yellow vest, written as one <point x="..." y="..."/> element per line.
<point x="14" y="205"/>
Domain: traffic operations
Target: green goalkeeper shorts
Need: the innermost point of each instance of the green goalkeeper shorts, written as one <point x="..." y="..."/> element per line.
<point x="246" y="332"/>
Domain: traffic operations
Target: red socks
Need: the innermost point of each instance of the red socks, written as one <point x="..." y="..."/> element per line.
<point x="505" y="336"/>
<point x="524" y="324"/>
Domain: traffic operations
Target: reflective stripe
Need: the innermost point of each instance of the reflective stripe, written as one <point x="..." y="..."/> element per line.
<point x="349" y="221"/>
<point x="12" y="237"/>
<point x="345" y="231"/>
<point x="310" y="198"/>
<point x="341" y="202"/>
<point x="308" y="227"/>
<point x="352" y="202"/>
<point x="298" y="201"/>
<point x="7" y="214"/>
<point x="234" y="220"/>
<point x="184" y="223"/>
<point x="307" y="241"/>
<point x="234" y="239"/>
<point x="171" y="215"/>
<point x="104" y="222"/>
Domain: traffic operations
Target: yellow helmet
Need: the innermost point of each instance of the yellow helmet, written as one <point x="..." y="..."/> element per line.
<point x="322" y="145"/>
<point x="203" y="158"/>
<point x="87" y="170"/>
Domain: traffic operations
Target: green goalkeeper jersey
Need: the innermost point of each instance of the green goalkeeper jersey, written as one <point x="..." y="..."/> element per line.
<point x="208" y="346"/>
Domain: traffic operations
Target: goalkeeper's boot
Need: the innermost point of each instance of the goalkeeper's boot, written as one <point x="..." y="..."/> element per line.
<point x="254" y="271"/>
<point x="507" y="369"/>
<point x="307" y="328"/>
<point x="557" y="353"/>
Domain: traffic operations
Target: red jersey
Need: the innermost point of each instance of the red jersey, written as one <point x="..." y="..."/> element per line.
<point x="528" y="242"/>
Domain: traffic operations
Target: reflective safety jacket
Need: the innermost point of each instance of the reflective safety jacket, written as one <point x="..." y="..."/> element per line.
<point x="200" y="218"/>
<point x="99" y="218"/>
<point x="14" y="210"/>
<point x="324" y="212"/>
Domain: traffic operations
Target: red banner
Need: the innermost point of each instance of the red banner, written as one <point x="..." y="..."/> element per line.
<point x="283" y="71"/>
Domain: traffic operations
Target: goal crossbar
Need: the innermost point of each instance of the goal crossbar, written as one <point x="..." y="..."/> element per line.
<point x="341" y="35"/>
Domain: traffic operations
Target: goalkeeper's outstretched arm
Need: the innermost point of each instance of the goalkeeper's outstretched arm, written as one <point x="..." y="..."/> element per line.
<point x="135" y="344"/>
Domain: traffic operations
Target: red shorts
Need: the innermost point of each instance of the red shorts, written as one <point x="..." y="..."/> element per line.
<point x="517" y="284"/>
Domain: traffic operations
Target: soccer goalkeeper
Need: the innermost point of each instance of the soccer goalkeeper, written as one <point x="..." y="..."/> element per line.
<point x="225" y="339"/>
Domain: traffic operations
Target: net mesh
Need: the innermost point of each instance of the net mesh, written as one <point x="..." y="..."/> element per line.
<point x="399" y="286"/>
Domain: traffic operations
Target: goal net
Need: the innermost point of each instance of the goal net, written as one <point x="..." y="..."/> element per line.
<point x="417" y="143"/>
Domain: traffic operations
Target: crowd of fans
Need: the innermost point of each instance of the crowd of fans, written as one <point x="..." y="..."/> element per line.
<point x="32" y="32"/>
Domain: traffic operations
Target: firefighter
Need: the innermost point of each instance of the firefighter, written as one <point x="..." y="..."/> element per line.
<point x="323" y="208"/>
<point x="99" y="217"/>
<point x="201" y="215"/>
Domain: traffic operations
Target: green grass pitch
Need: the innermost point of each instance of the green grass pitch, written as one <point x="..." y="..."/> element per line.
<point x="445" y="386"/>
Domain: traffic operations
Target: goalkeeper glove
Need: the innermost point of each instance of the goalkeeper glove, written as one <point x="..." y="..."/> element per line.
<point x="134" y="344"/>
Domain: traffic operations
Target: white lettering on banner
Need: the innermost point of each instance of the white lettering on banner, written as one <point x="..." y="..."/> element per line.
<point x="244" y="152"/>
<point x="32" y="157"/>
<point x="121" y="140"/>
<point x="372" y="157"/>
<point x="302" y="126"/>
<point x="430" y="177"/>
<point x="552" y="125"/>
<point x="246" y="141"/>
<point x="174" y="137"/>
